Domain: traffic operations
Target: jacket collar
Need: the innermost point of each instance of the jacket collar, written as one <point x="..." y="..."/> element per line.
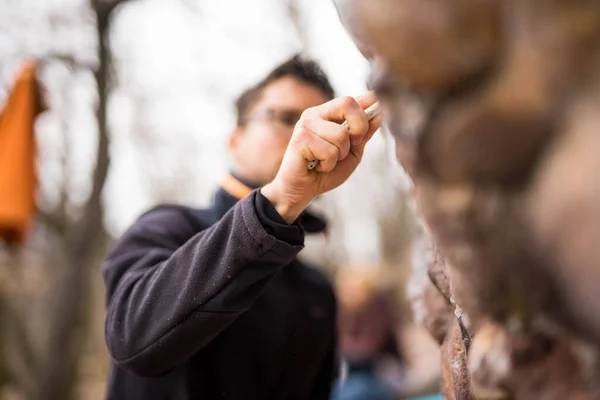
<point x="234" y="188"/>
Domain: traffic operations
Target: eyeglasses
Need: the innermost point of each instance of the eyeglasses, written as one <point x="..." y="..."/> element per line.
<point x="286" y="118"/>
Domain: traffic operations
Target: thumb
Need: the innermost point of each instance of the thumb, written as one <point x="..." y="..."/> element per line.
<point x="359" y="148"/>
<point x="366" y="100"/>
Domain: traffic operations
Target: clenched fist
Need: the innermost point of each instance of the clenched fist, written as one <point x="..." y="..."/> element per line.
<point x="320" y="135"/>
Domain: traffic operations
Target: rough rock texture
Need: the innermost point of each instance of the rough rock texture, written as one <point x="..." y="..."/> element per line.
<point x="494" y="106"/>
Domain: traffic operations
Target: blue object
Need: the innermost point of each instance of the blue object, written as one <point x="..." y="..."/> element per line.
<point x="430" y="397"/>
<point x="361" y="386"/>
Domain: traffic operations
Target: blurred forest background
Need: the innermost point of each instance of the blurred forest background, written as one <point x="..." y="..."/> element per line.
<point x="140" y="101"/>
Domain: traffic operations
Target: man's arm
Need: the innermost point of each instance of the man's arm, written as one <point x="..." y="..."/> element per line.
<point x="166" y="302"/>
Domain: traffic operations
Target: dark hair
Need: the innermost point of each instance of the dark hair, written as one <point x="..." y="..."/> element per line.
<point x="302" y="69"/>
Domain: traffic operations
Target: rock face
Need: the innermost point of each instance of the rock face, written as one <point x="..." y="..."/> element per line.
<point x="494" y="106"/>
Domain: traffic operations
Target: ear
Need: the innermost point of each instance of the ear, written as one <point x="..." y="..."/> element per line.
<point x="234" y="139"/>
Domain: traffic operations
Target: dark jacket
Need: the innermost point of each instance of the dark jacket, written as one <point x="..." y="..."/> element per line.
<point x="213" y="304"/>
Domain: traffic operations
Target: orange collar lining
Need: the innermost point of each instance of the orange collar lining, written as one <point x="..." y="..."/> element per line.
<point x="235" y="188"/>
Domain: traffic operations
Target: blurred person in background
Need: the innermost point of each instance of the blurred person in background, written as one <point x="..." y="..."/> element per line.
<point x="213" y="303"/>
<point x="384" y="356"/>
<point x="367" y="336"/>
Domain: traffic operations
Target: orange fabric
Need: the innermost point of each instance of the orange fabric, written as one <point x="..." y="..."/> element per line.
<point x="17" y="156"/>
<point x="235" y="188"/>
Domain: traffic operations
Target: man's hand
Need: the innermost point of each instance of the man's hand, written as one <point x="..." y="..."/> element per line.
<point x="319" y="135"/>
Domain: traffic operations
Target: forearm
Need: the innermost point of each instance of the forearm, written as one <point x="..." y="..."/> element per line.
<point x="289" y="210"/>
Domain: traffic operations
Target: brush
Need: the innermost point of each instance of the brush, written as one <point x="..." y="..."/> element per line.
<point x="371" y="113"/>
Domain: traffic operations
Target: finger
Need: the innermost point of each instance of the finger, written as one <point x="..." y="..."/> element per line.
<point x="345" y="167"/>
<point x="374" y="126"/>
<point x="358" y="149"/>
<point x="309" y="146"/>
<point x="375" y="123"/>
<point x="344" y="109"/>
<point x="333" y="133"/>
<point x="366" y="100"/>
<point x="320" y="149"/>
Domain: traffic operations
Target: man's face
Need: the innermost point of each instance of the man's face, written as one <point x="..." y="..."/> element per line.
<point x="259" y="145"/>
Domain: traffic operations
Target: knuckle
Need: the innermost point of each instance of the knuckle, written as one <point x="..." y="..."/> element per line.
<point x="303" y="127"/>
<point x="345" y="148"/>
<point x="360" y="125"/>
<point x="349" y="102"/>
<point x="343" y="155"/>
<point x="332" y="152"/>
<point x="308" y="113"/>
<point x="342" y="133"/>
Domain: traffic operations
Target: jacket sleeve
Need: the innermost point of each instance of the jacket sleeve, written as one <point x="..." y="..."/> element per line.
<point x="165" y="300"/>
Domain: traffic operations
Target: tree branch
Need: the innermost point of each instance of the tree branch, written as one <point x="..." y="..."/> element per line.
<point x="105" y="8"/>
<point x="192" y="5"/>
<point x="67" y="59"/>
<point x="55" y="220"/>
<point x="296" y="19"/>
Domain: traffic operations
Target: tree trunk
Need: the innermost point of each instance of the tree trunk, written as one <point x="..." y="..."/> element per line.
<point x="83" y="245"/>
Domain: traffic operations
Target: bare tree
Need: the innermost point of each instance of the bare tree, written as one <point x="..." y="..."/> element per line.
<point x="295" y="15"/>
<point x="44" y="365"/>
<point x="83" y="239"/>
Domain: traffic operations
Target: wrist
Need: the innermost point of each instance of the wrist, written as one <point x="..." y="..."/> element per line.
<point x="288" y="209"/>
